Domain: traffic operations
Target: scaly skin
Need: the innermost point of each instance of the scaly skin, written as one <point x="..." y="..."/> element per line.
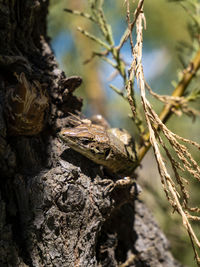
<point x="108" y="147"/>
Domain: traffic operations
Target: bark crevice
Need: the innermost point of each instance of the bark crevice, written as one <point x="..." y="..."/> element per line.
<point x="55" y="210"/>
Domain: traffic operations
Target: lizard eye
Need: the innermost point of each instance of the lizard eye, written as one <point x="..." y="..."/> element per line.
<point x="85" y="141"/>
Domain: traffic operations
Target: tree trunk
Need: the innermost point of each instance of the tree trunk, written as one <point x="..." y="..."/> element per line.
<point x="55" y="210"/>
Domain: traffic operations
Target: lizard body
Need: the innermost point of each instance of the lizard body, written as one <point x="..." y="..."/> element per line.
<point x="108" y="147"/>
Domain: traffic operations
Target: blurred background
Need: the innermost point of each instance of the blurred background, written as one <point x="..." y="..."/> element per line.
<point x="166" y="32"/>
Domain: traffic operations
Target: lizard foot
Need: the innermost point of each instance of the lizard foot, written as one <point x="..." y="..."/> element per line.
<point x="121" y="183"/>
<point x="109" y="185"/>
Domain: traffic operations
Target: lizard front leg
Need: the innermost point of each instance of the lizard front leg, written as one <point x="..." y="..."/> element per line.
<point x="121" y="183"/>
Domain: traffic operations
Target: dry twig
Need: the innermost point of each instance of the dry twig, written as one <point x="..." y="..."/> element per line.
<point x="156" y="124"/>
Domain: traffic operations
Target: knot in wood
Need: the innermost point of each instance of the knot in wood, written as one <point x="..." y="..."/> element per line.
<point x="25" y="107"/>
<point x="71" y="199"/>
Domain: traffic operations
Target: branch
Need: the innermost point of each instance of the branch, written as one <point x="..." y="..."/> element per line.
<point x="166" y="113"/>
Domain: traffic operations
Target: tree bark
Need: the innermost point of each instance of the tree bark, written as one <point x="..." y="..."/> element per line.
<point x="55" y="210"/>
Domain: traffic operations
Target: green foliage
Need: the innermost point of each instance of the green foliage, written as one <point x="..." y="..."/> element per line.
<point x="166" y="26"/>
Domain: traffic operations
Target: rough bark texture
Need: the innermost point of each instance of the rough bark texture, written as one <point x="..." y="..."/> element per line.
<point x="54" y="208"/>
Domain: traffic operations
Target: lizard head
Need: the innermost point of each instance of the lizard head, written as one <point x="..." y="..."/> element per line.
<point x="90" y="140"/>
<point x="101" y="146"/>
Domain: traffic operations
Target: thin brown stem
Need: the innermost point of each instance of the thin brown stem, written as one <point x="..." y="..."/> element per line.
<point x="166" y="113"/>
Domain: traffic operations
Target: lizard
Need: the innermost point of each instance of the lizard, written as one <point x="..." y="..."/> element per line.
<point x="112" y="148"/>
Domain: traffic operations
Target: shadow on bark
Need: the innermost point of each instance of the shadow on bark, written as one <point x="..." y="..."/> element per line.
<point x="55" y="210"/>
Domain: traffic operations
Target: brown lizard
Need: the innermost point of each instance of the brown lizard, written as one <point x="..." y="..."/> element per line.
<point x="112" y="148"/>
